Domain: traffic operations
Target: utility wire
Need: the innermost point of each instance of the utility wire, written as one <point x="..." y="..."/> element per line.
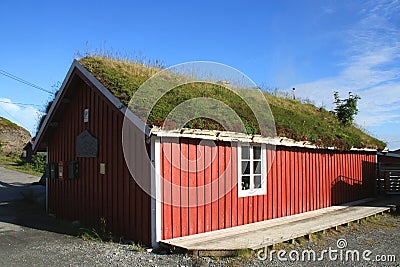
<point x="19" y="104"/>
<point x="17" y="121"/>
<point x="9" y="75"/>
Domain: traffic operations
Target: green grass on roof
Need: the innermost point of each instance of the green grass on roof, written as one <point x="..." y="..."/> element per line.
<point x="293" y="119"/>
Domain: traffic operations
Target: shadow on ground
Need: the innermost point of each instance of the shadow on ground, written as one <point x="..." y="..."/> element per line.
<point x="23" y="204"/>
<point x="29" y="213"/>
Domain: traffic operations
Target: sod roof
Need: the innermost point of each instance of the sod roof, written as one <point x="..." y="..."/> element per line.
<point x="293" y="119"/>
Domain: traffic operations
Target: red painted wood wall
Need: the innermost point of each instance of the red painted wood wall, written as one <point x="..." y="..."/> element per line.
<point x="114" y="196"/>
<point x="298" y="180"/>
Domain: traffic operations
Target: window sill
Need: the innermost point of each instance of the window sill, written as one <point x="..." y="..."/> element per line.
<point x="252" y="192"/>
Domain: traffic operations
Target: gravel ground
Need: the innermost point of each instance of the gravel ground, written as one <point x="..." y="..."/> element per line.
<point x="40" y="248"/>
<point x="33" y="247"/>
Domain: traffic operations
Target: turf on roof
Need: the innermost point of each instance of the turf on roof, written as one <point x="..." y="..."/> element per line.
<point x="293" y="119"/>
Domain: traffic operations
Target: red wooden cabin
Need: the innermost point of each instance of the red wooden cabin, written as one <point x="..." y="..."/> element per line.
<point x="206" y="180"/>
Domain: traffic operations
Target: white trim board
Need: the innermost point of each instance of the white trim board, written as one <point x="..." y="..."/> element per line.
<point x="155" y="192"/>
<point x="240" y="137"/>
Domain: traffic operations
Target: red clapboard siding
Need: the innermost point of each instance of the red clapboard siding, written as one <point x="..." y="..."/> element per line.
<point x="114" y="197"/>
<point x="298" y="180"/>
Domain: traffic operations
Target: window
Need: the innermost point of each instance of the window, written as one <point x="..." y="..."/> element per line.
<point x="251" y="170"/>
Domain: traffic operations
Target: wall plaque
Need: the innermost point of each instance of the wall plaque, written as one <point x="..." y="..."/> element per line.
<point x="86" y="145"/>
<point x="86" y="115"/>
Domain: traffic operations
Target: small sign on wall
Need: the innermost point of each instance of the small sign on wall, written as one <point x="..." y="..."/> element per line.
<point x="60" y="169"/>
<point x="86" y="145"/>
<point x="102" y="168"/>
<point x="86" y="115"/>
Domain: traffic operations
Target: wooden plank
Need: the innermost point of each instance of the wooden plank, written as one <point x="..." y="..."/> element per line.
<point x="234" y="179"/>
<point x="309" y="172"/>
<point x="120" y="178"/>
<point x="270" y="174"/>
<point x="207" y="181"/>
<point x="132" y="185"/>
<point x="328" y="175"/>
<point x="99" y="129"/>
<point x="255" y="208"/>
<point x="200" y="166"/>
<point x="339" y="187"/>
<point x="258" y="235"/>
<point x="214" y="189"/>
<point x="314" y="181"/>
<point x="294" y="166"/>
<point x="228" y="186"/>
<point x="221" y="186"/>
<point x="184" y="190"/>
<point x="324" y="177"/>
<point x="301" y="181"/>
<point x="175" y="156"/>
<point x="260" y="207"/>
<point x="318" y="179"/>
<point x="240" y="205"/>
<point x="336" y="173"/>
<point x="108" y="175"/>
<point x="114" y="176"/>
<point x="168" y="217"/>
<point x="192" y="184"/>
<point x="285" y="180"/>
<point x="138" y="194"/>
<point x="92" y="166"/>
<point x="275" y="177"/>
<point x="86" y="193"/>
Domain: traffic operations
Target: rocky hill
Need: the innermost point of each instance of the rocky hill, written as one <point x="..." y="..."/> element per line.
<point x="12" y="138"/>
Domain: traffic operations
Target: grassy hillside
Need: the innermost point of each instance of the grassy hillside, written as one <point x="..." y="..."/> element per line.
<point x="293" y="119"/>
<point x="6" y="123"/>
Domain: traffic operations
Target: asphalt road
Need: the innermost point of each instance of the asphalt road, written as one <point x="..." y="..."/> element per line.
<point x="14" y="184"/>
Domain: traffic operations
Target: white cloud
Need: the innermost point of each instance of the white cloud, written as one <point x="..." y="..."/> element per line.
<point x="26" y="116"/>
<point x="372" y="68"/>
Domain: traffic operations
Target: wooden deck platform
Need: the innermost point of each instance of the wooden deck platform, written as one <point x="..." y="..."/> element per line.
<point x="267" y="233"/>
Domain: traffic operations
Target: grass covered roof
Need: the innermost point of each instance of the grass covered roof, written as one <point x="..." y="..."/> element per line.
<point x="293" y="119"/>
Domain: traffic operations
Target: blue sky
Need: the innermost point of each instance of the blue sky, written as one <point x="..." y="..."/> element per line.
<point x="316" y="46"/>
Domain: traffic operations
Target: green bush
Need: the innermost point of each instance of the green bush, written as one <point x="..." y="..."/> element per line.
<point x="39" y="162"/>
<point x="346" y="109"/>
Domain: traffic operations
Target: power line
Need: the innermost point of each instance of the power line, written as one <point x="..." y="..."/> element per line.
<point x="16" y="78"/>
<point x="20" y="104"/>
<point x="11" y="115"/>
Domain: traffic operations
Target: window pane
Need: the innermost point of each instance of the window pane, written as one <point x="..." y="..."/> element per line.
<point x="245" y="167"/>
<point x="257" y="181"/>
<point x="257" y="167"/>
<point x="245" y="182"/>
<point x="256" y="152"/>
<point x="245" y="152"/>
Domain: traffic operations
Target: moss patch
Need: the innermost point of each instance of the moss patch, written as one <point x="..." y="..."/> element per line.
<point x="6" y="123"/>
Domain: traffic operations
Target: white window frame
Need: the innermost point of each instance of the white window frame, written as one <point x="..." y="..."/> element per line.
<point x="252" y="191"/>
